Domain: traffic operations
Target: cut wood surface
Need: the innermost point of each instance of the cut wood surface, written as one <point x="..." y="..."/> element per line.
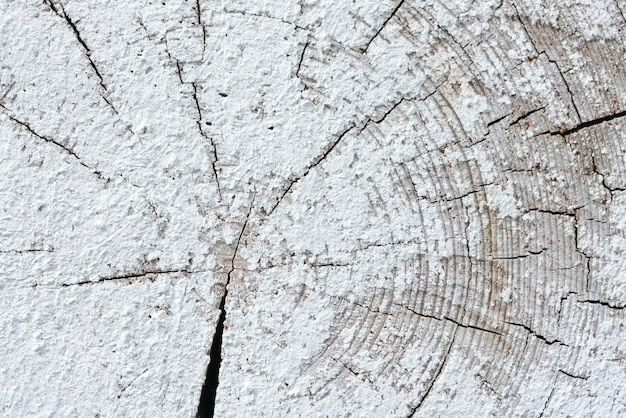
<point x="313" y="208"/>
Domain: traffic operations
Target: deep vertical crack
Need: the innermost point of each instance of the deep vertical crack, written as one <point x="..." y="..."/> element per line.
<point x="206" y="407"/>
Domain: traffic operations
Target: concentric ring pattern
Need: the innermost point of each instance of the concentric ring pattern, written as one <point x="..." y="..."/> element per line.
<point x="408" y="208"/>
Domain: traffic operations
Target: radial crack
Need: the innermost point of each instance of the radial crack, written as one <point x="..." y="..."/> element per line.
<point x="33" y="250"/>
<point x="128" y="276"/>
<point x="206" y="407"/>
<point x="86" y="50"/>
<point x="130" y="383"/>
<point x="550" y="60"/>
<point x="393" y="13"/>
<point x="567" y="87"/>
<point x="65" y="149"/>
<point x="203" y="134"/>
<point x="201" y="23"/>
<point x="517" y="257"/>
<point x="497" y="120"/>
<point x="314" y="164"/>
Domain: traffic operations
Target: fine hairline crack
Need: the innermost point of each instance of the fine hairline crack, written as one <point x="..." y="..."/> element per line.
<point x="433" y="379"/>
<point x="201" y="24"/>
<point x="58" y="144"/>
<point x="364" y="49"/>
<point x="201" y="130"/>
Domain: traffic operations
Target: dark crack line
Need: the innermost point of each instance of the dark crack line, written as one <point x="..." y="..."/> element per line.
<point x="51" y="5"/>
<point x="361" y="305"/>
<point x="65" y="149"/>
<point x="302" y="59"/>
<point x="128" y="276"/>
<point x="530" y="38"/>
<point x="580" y="251"/>
<point x="206" y="407"/>
<point x="445" y="318"/>
<point x="34" y="250"/>
<point x="85" y="47"/>
<point x="179" y="68"/>
<point x="573" y="376"/>
<point x="619" y="9"/>
<point x="590" y="123"/>
<point x="517" y="257"/>
<point x="536" y="335"/>
<point x="495" y="121"/>
<point x="179" y="71"/>
<point x="435" y="377"/>
<point x="45" y="138"/>
<point x="444" y="199"/>
<point x="333" y="144"/>
<point x="603" y="303"/>
<point x="594" y="168"/>
<point x="567" y="87"/>
<point x="203" y="134"/>
<point x="471" y="326"/>
<point x="525" y="115"/>
<point x="330" y="264"/>
<point x="130" y="383"/>
<point x="545" y="406"/>
<point x="201" y="23"/>
<point x="350" y="369"/>
<point x="569" y="213"/>
<point x="393" y="13"/>
<point x="395" y="105"/>
<point x="384" y="116"/>
<point x="386" y="244"/>
<point x="413" y="311"/>
<point x="311" y="166"/>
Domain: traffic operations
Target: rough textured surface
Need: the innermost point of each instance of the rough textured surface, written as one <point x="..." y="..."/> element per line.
<point x="417" y="208"/>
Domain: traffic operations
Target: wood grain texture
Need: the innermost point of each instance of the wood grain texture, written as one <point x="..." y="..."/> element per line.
<point x="374" y="209"/>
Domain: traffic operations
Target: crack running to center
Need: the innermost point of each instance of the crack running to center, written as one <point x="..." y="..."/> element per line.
<point x="206" y="407"/>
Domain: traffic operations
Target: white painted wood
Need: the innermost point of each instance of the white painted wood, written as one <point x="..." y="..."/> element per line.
<point x="385" y="209"/>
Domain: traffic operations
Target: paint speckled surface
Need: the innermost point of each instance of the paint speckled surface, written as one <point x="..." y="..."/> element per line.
<point x="417" y="207"/>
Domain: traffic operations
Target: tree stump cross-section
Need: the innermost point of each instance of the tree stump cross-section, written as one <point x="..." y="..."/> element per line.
<point x="314" y="208"/>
